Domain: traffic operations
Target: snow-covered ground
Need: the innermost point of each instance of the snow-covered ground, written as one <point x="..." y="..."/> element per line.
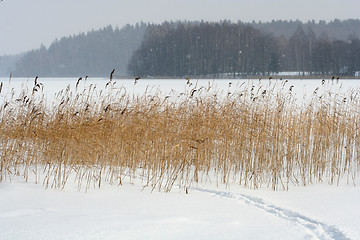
<point x="319" y="211"/>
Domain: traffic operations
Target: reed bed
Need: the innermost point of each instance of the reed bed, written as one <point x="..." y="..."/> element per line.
<point x="256" y="136"/>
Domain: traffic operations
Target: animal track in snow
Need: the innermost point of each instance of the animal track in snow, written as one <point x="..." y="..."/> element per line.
<point x="317" y="229"/>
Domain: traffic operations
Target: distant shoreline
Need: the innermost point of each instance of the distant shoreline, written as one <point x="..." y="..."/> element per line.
<point x="251" y="77"/>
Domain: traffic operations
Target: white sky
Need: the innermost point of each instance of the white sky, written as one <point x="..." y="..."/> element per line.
<point x="26" y="24"/>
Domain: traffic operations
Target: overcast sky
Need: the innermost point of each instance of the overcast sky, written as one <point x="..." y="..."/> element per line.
<point x="26" y="24"/>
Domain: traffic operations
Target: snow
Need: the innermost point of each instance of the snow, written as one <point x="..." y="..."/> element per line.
<point x="300" y="88"/>
<point x="318" y="211"/>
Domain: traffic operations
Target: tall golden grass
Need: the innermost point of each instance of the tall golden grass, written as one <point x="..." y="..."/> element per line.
<point x="254" y="136"/>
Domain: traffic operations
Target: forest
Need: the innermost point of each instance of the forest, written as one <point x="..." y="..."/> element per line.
<point x="200" y="49"/>
<point x="94" y="54"/>
<point x="238" y="49"/>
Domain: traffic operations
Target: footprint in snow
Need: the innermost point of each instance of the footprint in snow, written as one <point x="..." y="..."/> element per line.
<point x="319" y="230"/>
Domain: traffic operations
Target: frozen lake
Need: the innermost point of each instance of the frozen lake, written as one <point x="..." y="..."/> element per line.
<point x="299" y="88"/>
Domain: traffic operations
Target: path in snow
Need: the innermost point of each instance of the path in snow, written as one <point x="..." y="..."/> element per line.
<point x="316" y="229"/>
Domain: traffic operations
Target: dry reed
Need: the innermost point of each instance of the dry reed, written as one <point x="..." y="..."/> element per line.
<point x="255" y="136"/>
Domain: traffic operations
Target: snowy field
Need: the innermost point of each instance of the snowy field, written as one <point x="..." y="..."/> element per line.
<point x="318" y="211"/>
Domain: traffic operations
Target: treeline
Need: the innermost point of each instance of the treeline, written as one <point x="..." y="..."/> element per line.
<point x="95" y="54"/>
<point x="335" y="29"/>
<point x="178" y="49"/>
<point x="189" y="49"/>
<point x="319" y="55"/>
<point x="214" y="49"/>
